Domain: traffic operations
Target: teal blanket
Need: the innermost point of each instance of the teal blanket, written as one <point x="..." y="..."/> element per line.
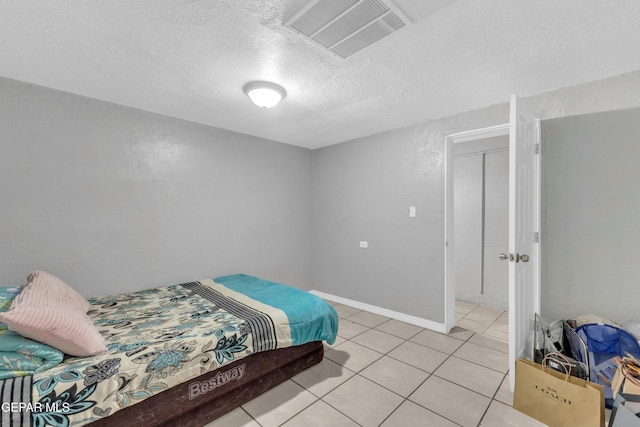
<point x="20" y="356"/>
<point x="310" y="317"/>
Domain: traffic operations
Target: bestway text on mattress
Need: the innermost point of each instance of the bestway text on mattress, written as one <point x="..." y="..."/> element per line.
<point x="197" y="388"/>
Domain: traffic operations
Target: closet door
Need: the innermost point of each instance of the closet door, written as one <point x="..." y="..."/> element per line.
<point x="467" y="183"/>
<point x="481" y="220"/>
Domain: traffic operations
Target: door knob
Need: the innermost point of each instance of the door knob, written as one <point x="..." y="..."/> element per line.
<point x="523" y="258"/>
<point x="506" y="257"/>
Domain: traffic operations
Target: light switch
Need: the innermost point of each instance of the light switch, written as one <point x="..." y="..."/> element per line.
<point x="364" y="245"/>
<point x="412" y="211"/>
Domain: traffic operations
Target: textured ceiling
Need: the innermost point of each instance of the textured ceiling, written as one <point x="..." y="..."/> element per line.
<point x="190" y="58"/>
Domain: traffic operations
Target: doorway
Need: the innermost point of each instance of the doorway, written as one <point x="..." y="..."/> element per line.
<point x="481" y="220"/>
<point x="481" y="223"/>
<point x="462" y="139"/>
<point x="523" y="252"/>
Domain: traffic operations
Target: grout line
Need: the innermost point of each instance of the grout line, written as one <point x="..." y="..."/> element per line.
<point x="404" y="399"/>
<point x="357" y="373"/>
<point x="493" y="399"/>
<point x="250" y="416"/>
<point x="303" y="409"/>
<point x="432" y="374"/>
<point x="338" y="410"/>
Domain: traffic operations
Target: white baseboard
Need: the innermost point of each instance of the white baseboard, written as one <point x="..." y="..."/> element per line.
<point x="407" y="318"/>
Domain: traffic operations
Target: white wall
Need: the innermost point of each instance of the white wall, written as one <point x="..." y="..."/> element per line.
<point x="113" y="199"/>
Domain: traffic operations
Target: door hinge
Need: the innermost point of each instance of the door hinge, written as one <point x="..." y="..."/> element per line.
<point x="536" y="149"/>
<point x="536" y="237"/>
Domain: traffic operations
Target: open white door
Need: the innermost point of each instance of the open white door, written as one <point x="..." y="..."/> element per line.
<point x="523" y="256"/>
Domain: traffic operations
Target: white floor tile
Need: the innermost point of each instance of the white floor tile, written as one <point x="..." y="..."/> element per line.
<point x="470" y="375"/>
<point x="395" y="375"/>
<point x="345" y="310"/>
<point x="484" y="314"/>
<point x="497" y="334"/>
<point x="320" y="414"/>
<point x="279" y="404"/>
<point x="490" y="342"/>
<point x="399" y="329"/>
<point x="235" y="418"/>
<point x="353" y="356"/>
<point x="348" y="329"/>
<point x="368" y="319"/>
<point x="460" y="333"/>
<point x="488" y="357"/>
<point x="504" y="394"/>
<point x="418" y="356"/>
<point x="378" y="341"/>
<point x="465" y="307"/>
<point x="320" y="379"/>
<point x="451" y="401"/>
<point x="455" y="379"/>
<point x="473" y="325"/>
<point x="444" y="343"/>
<point x="411" y="415"/>
<point x="501" y="415"/>
<point x="364" y="401"/>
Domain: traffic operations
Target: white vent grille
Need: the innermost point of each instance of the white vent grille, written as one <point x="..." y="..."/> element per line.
<point x="346" y="26"/>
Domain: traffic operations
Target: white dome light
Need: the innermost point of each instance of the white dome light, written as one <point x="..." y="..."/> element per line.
<point x="264" y="94"/>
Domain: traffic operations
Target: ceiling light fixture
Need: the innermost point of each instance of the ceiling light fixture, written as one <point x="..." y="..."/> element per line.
<point x="264" y="94"/>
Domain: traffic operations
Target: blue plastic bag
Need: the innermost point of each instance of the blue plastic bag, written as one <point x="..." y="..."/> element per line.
<point x="605" y="342"/>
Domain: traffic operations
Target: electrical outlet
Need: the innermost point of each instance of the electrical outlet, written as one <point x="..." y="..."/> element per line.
<point x="364" y="245"/>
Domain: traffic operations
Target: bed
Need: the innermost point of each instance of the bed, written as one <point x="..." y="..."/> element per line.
<point x="177" y="355"/>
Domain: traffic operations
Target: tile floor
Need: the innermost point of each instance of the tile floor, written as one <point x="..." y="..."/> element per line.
<point x="382" y="372"/>
<point x="484" y="320"/>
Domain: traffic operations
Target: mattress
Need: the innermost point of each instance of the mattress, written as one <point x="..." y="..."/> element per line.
<point x="162" y="337"/>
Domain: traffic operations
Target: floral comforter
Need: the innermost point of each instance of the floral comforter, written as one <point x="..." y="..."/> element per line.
<point x="156" y="339"/>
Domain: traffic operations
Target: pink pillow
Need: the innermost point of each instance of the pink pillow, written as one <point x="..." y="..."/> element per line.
<point x="50" y="288"/>
<point x="64" y="328"/>
<point x="49" y="311"/>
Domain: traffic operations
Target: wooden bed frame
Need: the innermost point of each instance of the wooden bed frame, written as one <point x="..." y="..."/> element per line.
<point x="195" y="402"/>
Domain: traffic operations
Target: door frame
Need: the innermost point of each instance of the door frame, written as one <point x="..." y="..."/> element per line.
<point x="449" y="253"/>
<point x="449" y="266"/>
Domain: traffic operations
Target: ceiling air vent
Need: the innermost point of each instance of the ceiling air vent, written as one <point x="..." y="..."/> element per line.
<point x="345" y="27"/>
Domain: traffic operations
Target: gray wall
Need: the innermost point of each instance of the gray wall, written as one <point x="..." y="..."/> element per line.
<point x="591" y="217"/>
<point x="362" y="190"/>
<point x="112" y="199"/>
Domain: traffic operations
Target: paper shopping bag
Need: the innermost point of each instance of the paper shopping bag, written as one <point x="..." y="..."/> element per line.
<point x="557" y="399"/>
